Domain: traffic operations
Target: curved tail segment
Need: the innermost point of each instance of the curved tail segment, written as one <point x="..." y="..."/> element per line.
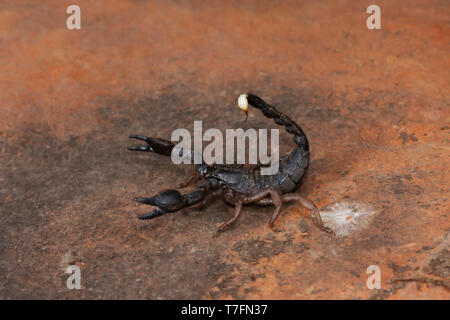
<point x="293" y="166"/>
<point x="279" y="118"/>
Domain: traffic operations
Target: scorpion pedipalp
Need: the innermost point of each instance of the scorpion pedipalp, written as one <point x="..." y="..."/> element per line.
<point x="156" y="145"/>
<point x="168" y="201"/>
<point x="172" y="200"/>
<point x="155" y="213"/>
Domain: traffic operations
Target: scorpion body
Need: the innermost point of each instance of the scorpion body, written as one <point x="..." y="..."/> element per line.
<point x="237" y="186"/>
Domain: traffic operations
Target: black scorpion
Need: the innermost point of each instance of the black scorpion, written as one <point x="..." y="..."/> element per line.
<point x="237" y="185"/>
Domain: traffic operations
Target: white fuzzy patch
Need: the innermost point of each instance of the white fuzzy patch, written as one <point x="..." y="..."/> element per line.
<point x="346" y="217"/>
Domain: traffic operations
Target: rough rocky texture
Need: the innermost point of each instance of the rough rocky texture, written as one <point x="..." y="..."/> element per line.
<point x="374" y="105"/>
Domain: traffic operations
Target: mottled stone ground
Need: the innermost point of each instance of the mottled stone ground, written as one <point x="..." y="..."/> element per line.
<point x="374" y="104"/>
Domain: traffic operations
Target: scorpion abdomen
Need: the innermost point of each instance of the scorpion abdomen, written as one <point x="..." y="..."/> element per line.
<point x="292" y="169"/>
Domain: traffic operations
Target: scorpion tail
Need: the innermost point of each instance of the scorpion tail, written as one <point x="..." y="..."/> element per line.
<point x="293" y="166"/>
<point x="156" y="145"/>
<point x="279" y="118"/>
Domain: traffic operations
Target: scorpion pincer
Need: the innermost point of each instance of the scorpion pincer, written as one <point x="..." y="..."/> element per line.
<point x="237" y="186"/>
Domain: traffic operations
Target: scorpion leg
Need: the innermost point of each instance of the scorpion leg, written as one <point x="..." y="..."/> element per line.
<point x="309" y="205"/>
<point x="264" y="202"/>
<point x="257" y="197"/>
<point x="275" y="199"/>
<point x="237" y="213"/>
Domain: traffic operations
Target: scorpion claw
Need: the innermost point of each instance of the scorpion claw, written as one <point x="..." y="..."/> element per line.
<point x="143" y="138"/>
<point x="156" y="145"/>
<point x="144" y="200"/>
<point x="155" y="213"/>
<point x="139" y="148"/>
<point x="166" y="201"/>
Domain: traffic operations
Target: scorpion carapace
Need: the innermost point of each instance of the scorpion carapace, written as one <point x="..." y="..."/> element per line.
<point x="237" y="185"/>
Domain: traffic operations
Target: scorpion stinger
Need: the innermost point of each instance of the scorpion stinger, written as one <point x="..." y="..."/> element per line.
<point x="239" y="186"/>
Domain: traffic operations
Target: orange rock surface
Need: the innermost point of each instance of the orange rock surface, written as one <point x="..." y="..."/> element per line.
<point x="374" y="104"/>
